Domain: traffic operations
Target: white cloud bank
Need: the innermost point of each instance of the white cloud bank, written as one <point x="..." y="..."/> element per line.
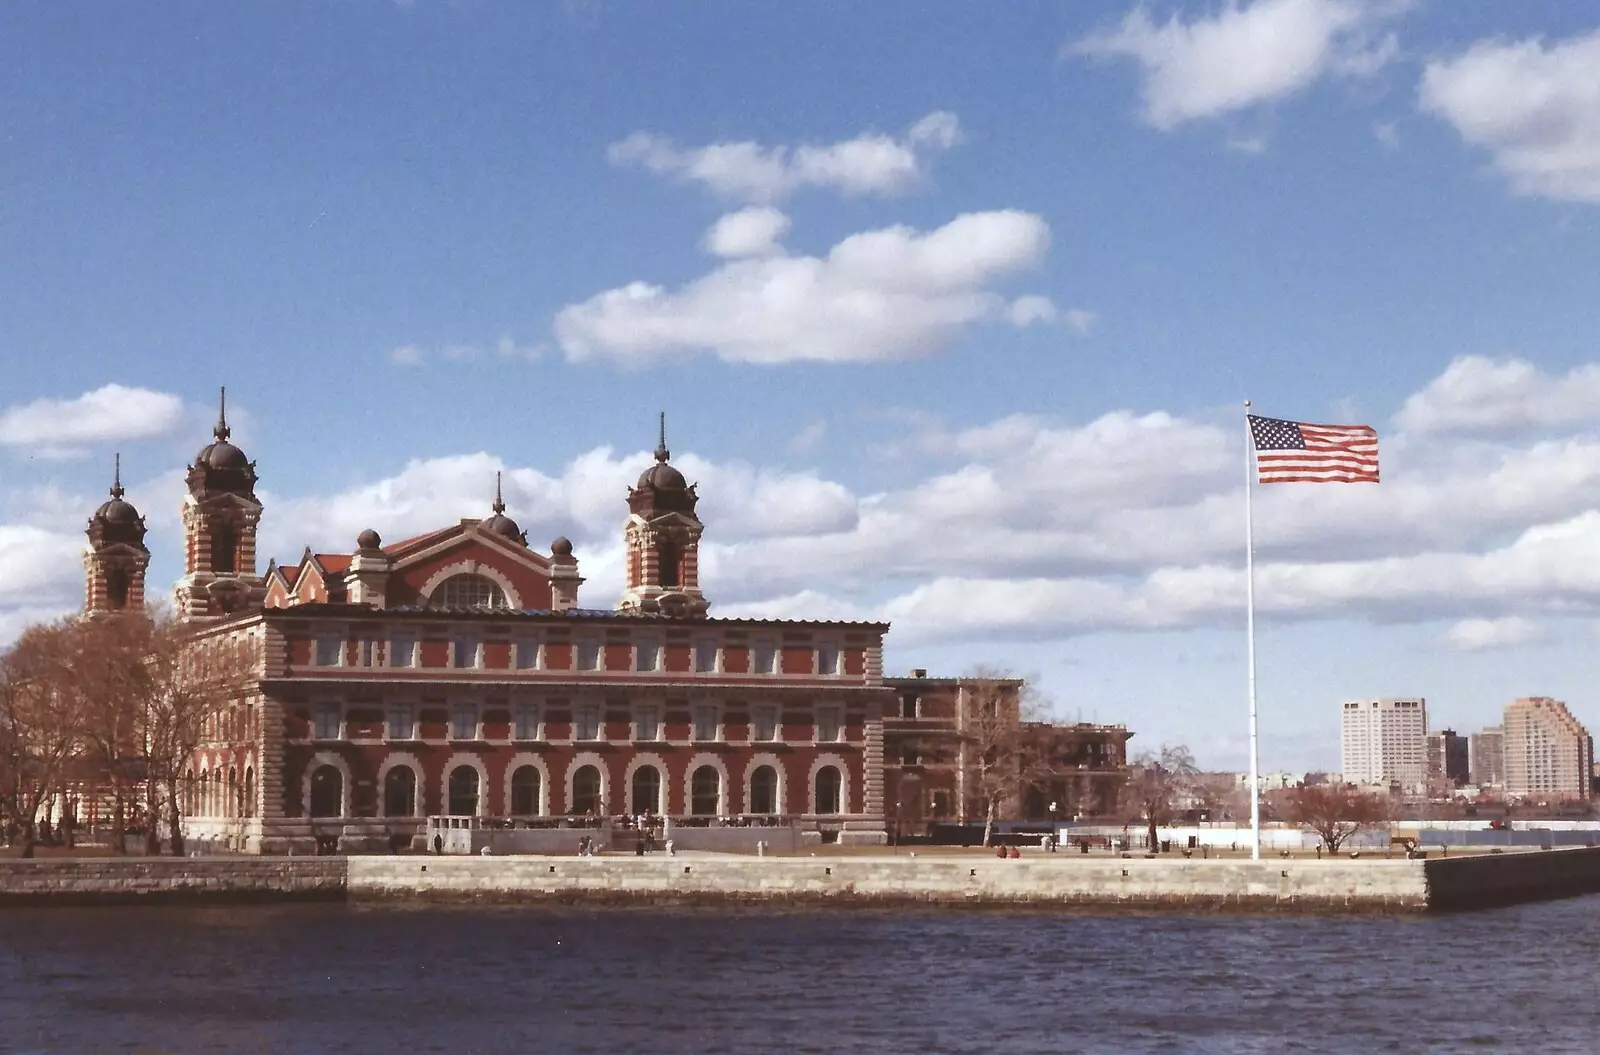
<point x="1478" y="635"/>
<point x="1479" y="394"/>
<point x="1244" y="55"/>
<point x="869" y="164"/>
<point x="1534" y="107"/>
<point x="110" y="414"/>
<point x="880" y="295"/>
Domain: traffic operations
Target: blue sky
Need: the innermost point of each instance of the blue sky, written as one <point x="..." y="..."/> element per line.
<point x="951" y="313"/>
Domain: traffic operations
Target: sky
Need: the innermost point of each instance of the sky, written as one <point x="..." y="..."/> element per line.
<point x="952" y="312"/>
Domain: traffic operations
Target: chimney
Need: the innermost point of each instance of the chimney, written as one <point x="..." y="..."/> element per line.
<point x="919" y="672"/>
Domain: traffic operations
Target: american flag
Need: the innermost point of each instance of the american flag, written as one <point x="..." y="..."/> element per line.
<point x="1297" y="452"/>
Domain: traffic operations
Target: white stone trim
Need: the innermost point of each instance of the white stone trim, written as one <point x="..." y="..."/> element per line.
<point x="418" y="792"/>
<point x="463" y="758"/>
<point x="646" y="758"/>
<point x="316" y="762"/>
<point x="472" y="567"/>
<point x="834" y="760"/>
<point x="705" y="758"/>
<point x="588" y="758"/>
<point x="757" y="761"/>
<point x="518" y="760"/>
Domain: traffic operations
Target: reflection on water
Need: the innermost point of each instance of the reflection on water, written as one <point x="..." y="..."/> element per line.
<point x="336" y="978"/>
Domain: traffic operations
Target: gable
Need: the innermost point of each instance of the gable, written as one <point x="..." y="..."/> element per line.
<point x="521" y="573"/>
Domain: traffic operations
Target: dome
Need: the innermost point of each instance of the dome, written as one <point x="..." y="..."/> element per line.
<point x="117" y="511"/>
<point x="661" y="488"/>
<point x="662" y="476"/>
<point x="499" y="523"/>
<point x="561" y="547"/>
<point x="221" y="455"/>
<point x="220" y="467"/>
<point x="117" y="520"/>
<point x="369" y="539"/>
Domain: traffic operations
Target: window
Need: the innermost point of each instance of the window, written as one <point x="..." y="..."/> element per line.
<point x="705" y="721"/>
<point x="586" y="721"/>
<point x="586" y="654"/>
<point x="224" y="549"/>
<point x="468" y="591"/>
<point x="667" y="562"/>
<point x="762" y="657"/>
<point x="330" y="649"/>
<point x="464" y="792"/>
<point x="705" y="655"/>
<point x="327" y="792"/>
<point x="586" y="790"/>
<point x="117" y="588"/>
<point x="828" y="725"/>
<point x="327" y="723"/>
<point x="909" y="704"/>
<point x="463" y="722"/>
<point x="400" y="792"/>
<point x="466" y="650"/>
<point x="828" y="785"/>
<point x="528" y="653"/>
<point x="368" y="650"/>
<point x="527" y="722"/>
<point x="646" y="789"/>
<point x="402" y="649"/>
<point x="647" y="655"/>
<point x="647" y="722"/>
<point x="705" y="792"/>
<point x="402" y="724"/>
<point x="525" y="787"/>
<point x="764" y="790"/>
<point x="764" y="723"/>
<point x="827" y="659"/>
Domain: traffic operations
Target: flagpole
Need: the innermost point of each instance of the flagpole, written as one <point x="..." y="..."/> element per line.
<point x="1250" y="630"/>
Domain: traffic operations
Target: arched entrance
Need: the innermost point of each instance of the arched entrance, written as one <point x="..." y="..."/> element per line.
<point x="586" y="790"/>
<point x="646" y="790"/>
<point x="327" y="791"/>
<point x="525" y="788"/>
<point x="828" y="783"/>
<point x="464" y="792"/>
<point x="764" y="790"/>
<point x="705" y="792"/>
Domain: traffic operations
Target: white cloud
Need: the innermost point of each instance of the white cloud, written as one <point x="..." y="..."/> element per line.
<point x="406" y="355"/>
<point x="1387" y="133"/>
<point x="869" y="164"/>
<point x="1025" y="311"/>
<point x="753" y="231"/>
<point x="1243" y="56"/>
<point x="1081" y="321"/>
<point x="1535" y="107"/>
<point x="1479" y="394"/>
<point x="888" y="294"/>
<point x="110" y="414"/>
<point x="506" y="348"/>
<point x="1477" y="635"/>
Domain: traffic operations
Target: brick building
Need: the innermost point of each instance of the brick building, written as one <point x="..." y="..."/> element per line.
<point x="458" y="672"/>
<point x="1549" y="755"/>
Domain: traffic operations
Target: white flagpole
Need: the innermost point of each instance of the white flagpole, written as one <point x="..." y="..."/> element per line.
<point x="1250" y="630"/>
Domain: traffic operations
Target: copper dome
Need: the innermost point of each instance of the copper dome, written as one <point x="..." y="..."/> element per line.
<point x="499" y="523"/>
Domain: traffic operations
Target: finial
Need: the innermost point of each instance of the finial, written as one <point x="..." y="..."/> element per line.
<point x="221" y="432"/>
<point x="116" y="475"/>
<point x="662" y="454"/>
<point x="499" y="504"/>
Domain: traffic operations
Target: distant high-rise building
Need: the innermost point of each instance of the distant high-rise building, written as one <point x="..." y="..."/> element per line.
<point x="1548" y="753"/>
<point x="1486" y="757"/>
<point x="1381" y="741"/>
<point x="1448" y="756"/>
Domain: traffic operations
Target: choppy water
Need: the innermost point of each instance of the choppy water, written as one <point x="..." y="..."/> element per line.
<point x="336" y="978"/>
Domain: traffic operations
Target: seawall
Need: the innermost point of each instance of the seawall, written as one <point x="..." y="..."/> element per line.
<point x="1330" y="885"/>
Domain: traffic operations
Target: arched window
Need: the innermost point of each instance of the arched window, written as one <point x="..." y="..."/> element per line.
<point x="586" y="790"/>
<point x="249" y="791"/>
<point x="468" y="591"/>
<point x="463" y="792"/>
<point x="646" y="790"/>
<point x="327" y="792"/>
<point x="224" y="549"/>
<point x="667" y="562"/>
<point x="764" y="790"/>
<point x="705" y="792"/>
<point x="525" y="791"/>
<point x="230" y="806"/>
<point x="400" y="792"/>
<point x="827" y="789"/>
<point x="188" y="793"/>
<point x="117" y="588"/>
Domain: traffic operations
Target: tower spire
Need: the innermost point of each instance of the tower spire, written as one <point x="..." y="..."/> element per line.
<point x="499" y="503"/>
<point x="662" y="454"/>
<point x="116" y="475"/>
<point x="221" y="432"/>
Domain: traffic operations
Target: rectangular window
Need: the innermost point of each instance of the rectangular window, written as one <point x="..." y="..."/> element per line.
<point x="328" y="721"/>
<point x="466" y="650"/>
<point x="763" y="655"/>
<point x="647" y="722"/>
<point x="647" y="656"/>
<point x="464" y="723"/>
<point x="528" y="653"/>
<point x="827" y="659"/>
<point x="829" y="725"/>
<point x="586" y="654"/>
<point x="764" y="724"/>
<point x="586" y="721"/>
<point x="705" y="721"/>
<point x="368" y="652"/>
<point x="705" y="656"/>
<point x="402" y="724"/>
<point x="330" y="649"/>
<point x="402" y="650"/>
<point x="527" y="722"/>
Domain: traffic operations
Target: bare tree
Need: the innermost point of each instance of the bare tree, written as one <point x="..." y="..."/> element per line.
<point x="1336" y="812"/>
<point x="997" y="752"/>
<point x="1157" y="780"/>
<point x="38" y="725"/>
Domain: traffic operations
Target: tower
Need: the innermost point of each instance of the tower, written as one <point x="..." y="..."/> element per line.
<point x="115" y="558"/>
<point x="220" y="514"/>
<point x="663" y="539"/>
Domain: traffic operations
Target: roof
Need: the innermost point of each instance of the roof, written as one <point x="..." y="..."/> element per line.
<point x="332" y="563"/>
<point x="362" y="611"/>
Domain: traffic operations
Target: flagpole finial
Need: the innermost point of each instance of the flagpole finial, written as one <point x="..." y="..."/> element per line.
<point x="116" y="475"/>
<point x="662" y="454"/>
<point x="222" y="431"/>
<point x="499" y="503"/>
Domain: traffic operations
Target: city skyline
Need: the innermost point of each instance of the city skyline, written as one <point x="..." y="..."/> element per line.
<point x="961" y="350"/>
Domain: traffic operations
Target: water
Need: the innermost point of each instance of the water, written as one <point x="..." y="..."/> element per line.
<point x="345" y="978"/>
